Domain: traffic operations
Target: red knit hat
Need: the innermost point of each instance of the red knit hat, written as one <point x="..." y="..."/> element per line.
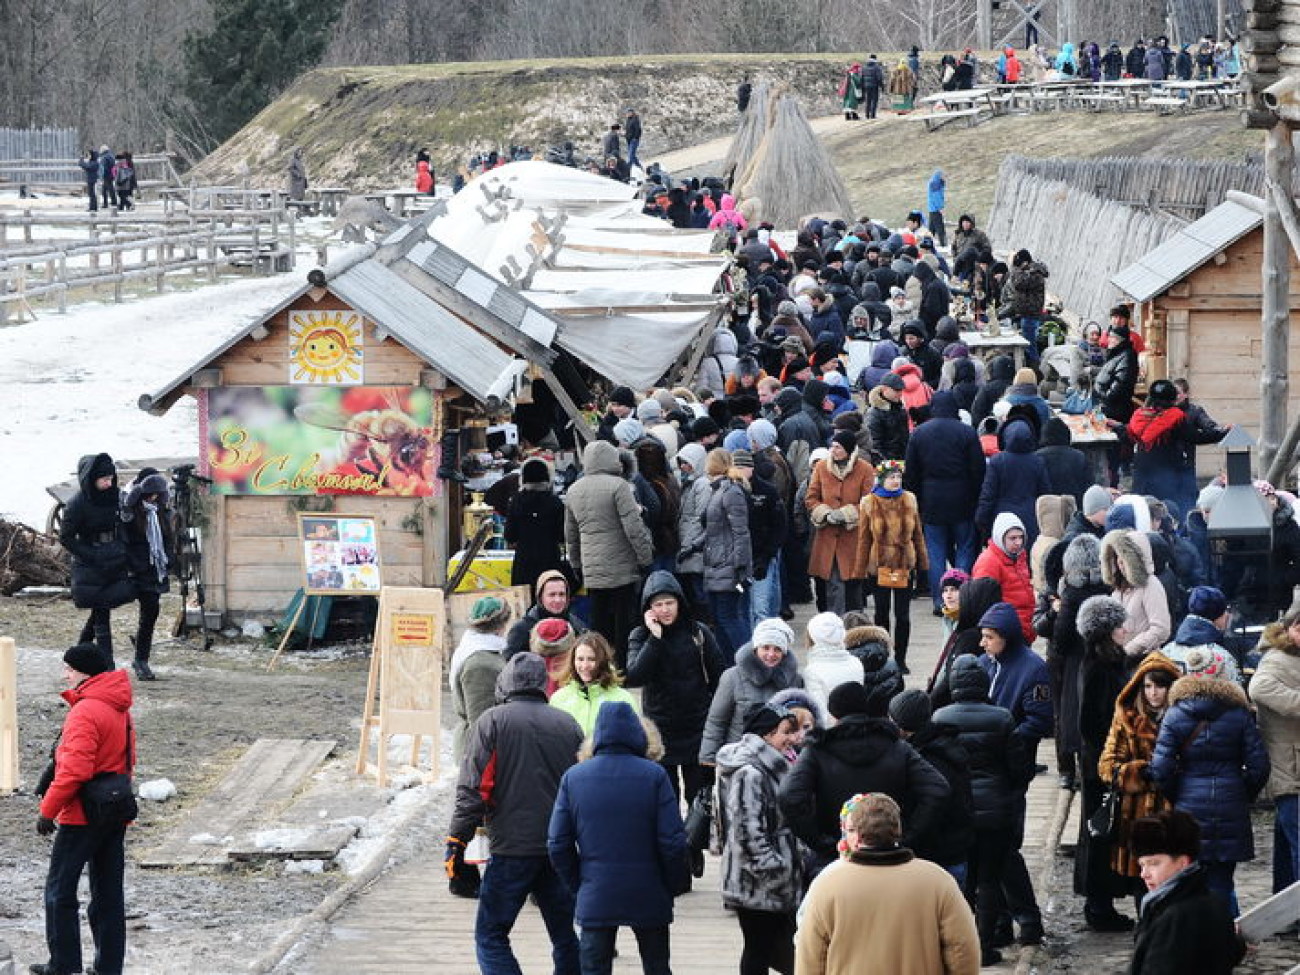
<point x="551" y="637"/>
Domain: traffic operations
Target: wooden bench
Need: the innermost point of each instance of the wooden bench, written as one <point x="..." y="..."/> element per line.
<point x="1166" y="105"/>
<point x="1097" y="100"/>
<point x="935" y="119"/>
<point x="269" y="254"/>
<point x="307" y="208"/>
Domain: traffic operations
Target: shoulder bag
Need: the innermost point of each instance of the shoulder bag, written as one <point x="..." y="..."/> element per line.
<point x="108" y="798"/>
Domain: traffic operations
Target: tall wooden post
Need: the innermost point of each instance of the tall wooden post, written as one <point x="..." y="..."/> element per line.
<point x="1279" y="161"/>
<point x="984" y="25"/>
<point x="8" y="715"/>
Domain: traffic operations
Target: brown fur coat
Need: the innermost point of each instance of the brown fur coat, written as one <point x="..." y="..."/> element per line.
<point x="1129" y="747"/>
<point x="836" y="488"/>
<point x="889" y="535"/>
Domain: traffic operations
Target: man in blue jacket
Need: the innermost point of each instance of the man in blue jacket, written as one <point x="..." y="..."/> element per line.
<point x="1020" y="683"/>
<point x="945" y="470"/>
<point x="617" y="841"/>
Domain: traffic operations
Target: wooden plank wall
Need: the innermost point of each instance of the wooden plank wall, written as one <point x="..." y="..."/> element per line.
<point x="252" y="560"/>
<point x="1220" y="305"/>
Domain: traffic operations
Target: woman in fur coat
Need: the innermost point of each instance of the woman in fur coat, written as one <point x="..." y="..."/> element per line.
<point x="1210" y="761"/>
<point x="1275" y="689"/>
<point x="762" y="875"/>
<point x="1130" y="743"/>
<point x="890" y="537"/>
<point x="1128" y="568"/>
<point x="835" y="489"/>
<point x="1100" y="623"/>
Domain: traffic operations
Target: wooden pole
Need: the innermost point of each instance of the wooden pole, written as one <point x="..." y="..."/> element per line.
<point x="1279" y="159"/>
<point x="8" y="715"/>
<point x="984" y="25"/>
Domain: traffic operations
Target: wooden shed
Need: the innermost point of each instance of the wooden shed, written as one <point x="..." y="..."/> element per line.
<point x="337" y="398"/>
<point x="1197" y="302"/>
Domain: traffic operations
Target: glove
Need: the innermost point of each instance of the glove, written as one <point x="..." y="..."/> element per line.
<point x="44" y="825"/>
<point x="836" y="517"/>
<point x="453" y="860"/>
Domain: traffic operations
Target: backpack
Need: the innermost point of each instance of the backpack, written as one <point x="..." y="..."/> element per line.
<point x="123" y="175"/>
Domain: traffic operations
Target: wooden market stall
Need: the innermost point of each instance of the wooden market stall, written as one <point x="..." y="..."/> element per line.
<point x="343" y="397"/>
<point x="1197" y="301"/>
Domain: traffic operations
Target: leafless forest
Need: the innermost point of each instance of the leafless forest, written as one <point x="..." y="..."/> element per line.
<point x="139" y="73"/>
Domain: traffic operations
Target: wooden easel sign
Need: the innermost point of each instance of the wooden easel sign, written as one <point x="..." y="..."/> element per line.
<point x="404" y="689"/>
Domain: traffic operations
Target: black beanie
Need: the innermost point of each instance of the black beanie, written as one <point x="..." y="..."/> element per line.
<point x="88" y="659"/>
<point x="535" y="471"/>
<point x="848" y="698"/>
<point x="764" y="718"/>
<point x="623" y="396"/>
<point x="910" y="710"/>
<point x="847" y="440"/>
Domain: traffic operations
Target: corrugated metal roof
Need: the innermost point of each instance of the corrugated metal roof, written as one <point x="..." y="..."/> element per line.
<point x="441" y="262"/>
<point x="1159" y="269"/>
<point x="454" y="348"/>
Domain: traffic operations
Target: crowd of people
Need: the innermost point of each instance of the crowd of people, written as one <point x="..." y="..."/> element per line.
<point x="110" y="178"/>
<point x="842" y="446"/>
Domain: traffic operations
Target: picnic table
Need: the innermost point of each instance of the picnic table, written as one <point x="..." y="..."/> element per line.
<point x="1215" y="92"/>
<point x="1125" y="92"/>
<point x="330" y="198"/>
<point x="967" y="103"/>
<point x="988" y="346"/>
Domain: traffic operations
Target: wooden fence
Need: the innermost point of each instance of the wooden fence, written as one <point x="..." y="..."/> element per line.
<point x="1184" y="188"/>
<point x="153" y="170"/>
<point x="18" y="146"/>
<point x="121" y="249"/>
<point x="1081" y="237"/>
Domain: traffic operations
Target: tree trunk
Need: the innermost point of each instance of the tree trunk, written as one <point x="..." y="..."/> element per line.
<point x="1279" y="160"/>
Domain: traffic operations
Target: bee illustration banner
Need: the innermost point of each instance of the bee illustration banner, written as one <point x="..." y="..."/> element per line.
<point x="370" y="440"/>
<point x="340" y="554"/>
<point x="326" y="348"/>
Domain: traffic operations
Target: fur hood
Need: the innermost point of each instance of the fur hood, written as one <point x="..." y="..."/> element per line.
<point x="783" y="675"/>
<point x="1099" y="616"/>
<point x="876" y="399"/>
<point x="1128" y="697"/>
<point x="1081" y="564"/>
<point x="1126" y="559"/>
<point x="1193" y="686"/>
<point x="1054" y="512"/>
<point x="654" y="742"/>
<point x="797" y="697"/>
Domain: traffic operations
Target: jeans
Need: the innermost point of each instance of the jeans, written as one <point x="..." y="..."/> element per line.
<point x="103" y="849"/>
<point x="765" y="594"/>
<point x="1286" y="843"/>
<point x="937" y="228"/>
<point x="507" y="882"/>
<point x="596" y="949"/>
<point x="632" y="146"/>
<point x="1218" y="877"/>
<point x="984" y="879"/>
<point x="731" y="618"/>
<point x="1029" y="329"/>
<point x="769" y="941"/>
<point x="948" y="545"/>
<point x="873" y="100"/>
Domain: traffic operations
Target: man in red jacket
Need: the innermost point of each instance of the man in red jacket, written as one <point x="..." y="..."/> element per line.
<point x="96" y="738"/>
<point x="1006" y="560"/>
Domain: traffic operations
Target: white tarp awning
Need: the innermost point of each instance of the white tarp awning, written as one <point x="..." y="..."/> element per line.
<point x="690" y="281"/>
<point x="631" y="350"/>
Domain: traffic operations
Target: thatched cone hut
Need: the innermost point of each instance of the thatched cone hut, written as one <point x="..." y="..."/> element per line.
<point x="754" y="124"/>
<point x="791" y="172"/>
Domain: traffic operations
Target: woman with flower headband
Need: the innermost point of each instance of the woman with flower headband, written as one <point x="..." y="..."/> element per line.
<point x="891" y="547"/>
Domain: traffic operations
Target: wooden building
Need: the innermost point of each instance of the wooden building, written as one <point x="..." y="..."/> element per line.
<point x="337" y="399"/>
<point x="1197" y="301"/>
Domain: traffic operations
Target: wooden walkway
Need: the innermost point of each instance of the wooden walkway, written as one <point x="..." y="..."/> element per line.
<point x="407" y="923"/>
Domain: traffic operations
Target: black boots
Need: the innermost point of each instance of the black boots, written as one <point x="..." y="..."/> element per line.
<point x="449" y="463"/>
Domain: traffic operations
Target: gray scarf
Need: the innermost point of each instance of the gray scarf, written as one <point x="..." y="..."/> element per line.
<point x="153" y="534"/>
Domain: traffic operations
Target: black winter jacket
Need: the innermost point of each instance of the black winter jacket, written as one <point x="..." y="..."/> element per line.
<point x="535" y="528"/>
<point x="888" y="425"/>
<point x="1185" y="927"/>
<point x="1001" y="370"/>
<point x="1116" y="381"/>
<point x="945" y="465"/>
<point x="1000" y="765"/>
<point x="92" y="532"/>
<point x="860" y="754"/>
<point x="949" y="842"/>
<point x="679" y="671"/>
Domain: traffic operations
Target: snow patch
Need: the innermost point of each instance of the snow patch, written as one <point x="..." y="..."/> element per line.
<point x="304" y="866"/>
<point x="157" y="790"/>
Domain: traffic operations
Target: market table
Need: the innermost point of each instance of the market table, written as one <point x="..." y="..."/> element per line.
<point x="987" y="346"/>
<point x="1090" y="434"/>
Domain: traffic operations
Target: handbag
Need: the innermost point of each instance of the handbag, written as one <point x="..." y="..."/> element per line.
<point x="699" y="820"/>
<point x="108" y="798"/>
<point x="893" y="578"/>
<point x="1104" y="823"/>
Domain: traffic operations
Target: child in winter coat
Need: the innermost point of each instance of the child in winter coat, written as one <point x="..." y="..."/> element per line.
<point x="829" y="663"/>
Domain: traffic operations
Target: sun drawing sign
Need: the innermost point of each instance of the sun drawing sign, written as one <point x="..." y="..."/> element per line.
<point x="325" y="348"/>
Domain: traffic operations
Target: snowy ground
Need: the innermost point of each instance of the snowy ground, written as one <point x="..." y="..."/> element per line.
<point x="69" y="384"/>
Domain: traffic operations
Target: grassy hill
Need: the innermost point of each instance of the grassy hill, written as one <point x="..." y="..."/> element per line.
<point x="362" y="126"/>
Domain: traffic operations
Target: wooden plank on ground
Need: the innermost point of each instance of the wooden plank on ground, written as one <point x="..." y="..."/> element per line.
<point x="255" y="791"/>
<point x="287" y="843"/>
<point x="1271" y="916"/>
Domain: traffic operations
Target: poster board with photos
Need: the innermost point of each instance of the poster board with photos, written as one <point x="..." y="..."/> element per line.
<point x="340" y="554"/>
